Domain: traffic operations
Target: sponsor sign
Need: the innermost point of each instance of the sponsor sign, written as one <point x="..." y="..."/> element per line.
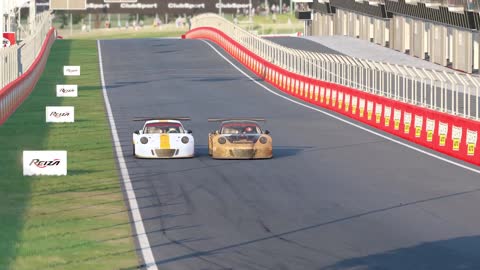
<point x="173" y="7"/>
<point x="340" y="100"/>
<point x="328" y="96"/>
<point x="67" y="90"/>
<point x="397" y="116"/>
<point x="6" y="43"/>
<point x="8" y="39"/>
<point x="418" y="125"/>
<point x="387" y="114"/>
<point x="442" y="133"/>
<point x="362" y="107"/>
<point x="322" y="94"/>
<point x="71" y="70"/>
<point x="378" y="113"/>
<point x="471" y="142"/>
<point x="316" y="93"/>
<point x="44" y="163"/>
<point x="354" y="104"/>
<point x="407" y="121"/>
<point x="430" y="129"/>
<point x="61" y="114"/>
<point x="456" y="137"/>
<point x="369" y="110"/>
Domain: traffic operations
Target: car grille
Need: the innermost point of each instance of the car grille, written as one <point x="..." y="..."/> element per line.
<point x="166" y="152"/>
<point x="242" y="153"/>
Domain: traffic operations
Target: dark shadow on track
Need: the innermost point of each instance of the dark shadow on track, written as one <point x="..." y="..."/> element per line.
<point x="438" y="255"/>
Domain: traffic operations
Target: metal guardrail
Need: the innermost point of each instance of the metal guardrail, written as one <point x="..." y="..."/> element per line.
<point x="445" y="91"/>
<point x="15" y="60"/>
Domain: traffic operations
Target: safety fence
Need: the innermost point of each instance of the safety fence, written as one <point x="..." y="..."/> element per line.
<point x="451" y="92"/>
<point x="453" y="135"/>
<point x="18" y="58"/>
<point x="21" y="67"/>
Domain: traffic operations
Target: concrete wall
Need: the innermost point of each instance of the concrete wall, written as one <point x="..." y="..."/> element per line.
<point x="438" y="43"/>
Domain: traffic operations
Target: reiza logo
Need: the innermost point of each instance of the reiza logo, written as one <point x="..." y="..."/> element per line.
<point x="71" y="70"/>
<point x="44" y="163"/>
<point x="63" y="114"/>
<point x="67" y="90"/>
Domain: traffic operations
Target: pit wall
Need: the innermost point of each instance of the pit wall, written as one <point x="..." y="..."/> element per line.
<point x="14" y="93"/>
<point x="445" y="133"/>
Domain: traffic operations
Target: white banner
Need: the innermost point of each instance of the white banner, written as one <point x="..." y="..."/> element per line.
<point x="44" y="163"/>
<point x="67" y="90"/>
<point x="62" y="114"/>
<point x="71" y="70"/>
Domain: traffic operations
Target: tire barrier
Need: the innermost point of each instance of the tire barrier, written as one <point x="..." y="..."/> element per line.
<point x="452" y="135"/>
<point x="14" y="93"/>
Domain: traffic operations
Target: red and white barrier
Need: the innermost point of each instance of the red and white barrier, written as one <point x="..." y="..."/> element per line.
<point x="445" y="133"/>
<point x="14" y="93"/>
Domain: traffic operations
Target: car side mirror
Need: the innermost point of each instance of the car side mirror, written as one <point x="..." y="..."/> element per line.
<point x="137" y="132"/>
<point x="189" y="131"/>
<point x="267" y="132"/>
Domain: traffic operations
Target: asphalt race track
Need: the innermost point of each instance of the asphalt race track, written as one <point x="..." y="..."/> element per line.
<point x="333" y="197"/>
<point x="303" y="44"/>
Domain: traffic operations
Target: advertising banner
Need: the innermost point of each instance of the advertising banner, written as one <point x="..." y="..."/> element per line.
<point x="71" y="70"/>
<point x="44" y="163"/>
<point x="8" y="39"/>
<point x="180" y="7"/>
<point x="67" y="90"/>
<point x="60" y="114"/>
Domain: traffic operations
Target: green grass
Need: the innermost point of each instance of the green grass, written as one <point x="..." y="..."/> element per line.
<point x="77" y="221"/>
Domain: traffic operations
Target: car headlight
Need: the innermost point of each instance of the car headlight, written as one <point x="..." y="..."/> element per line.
<point x="144" y="140"/>
<point x="222" y="140"/>
<point x="263" y="140"/>
<point x="185" y="139"/>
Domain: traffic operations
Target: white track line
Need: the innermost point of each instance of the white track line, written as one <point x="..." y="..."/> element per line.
<point x="132" y="200"/>
<point x="344" y="120"/>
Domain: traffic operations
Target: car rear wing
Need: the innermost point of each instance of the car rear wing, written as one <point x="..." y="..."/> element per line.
<point x="237" y="119"/>
<point x="161" y="118"/>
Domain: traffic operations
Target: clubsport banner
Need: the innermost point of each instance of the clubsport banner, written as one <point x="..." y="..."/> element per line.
<point x="168" y="6"/>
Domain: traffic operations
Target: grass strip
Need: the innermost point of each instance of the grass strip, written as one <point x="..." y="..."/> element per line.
<point x="78" y="221"/>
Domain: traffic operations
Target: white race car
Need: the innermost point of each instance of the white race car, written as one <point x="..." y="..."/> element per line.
<point x="163" y="138"/>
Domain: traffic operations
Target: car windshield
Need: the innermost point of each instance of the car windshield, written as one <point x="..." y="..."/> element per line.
<point x="163" y="127"/>
<point x="240" y="128"/>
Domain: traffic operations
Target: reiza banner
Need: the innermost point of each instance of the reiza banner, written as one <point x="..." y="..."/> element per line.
<point x="67" y="90"/>
<point x="44" y="163"/>
<point x="71" y="70"/>
<point x="61" y="114"/>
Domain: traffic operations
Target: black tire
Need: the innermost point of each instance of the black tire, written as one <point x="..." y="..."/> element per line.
<point x="133" y="150"/>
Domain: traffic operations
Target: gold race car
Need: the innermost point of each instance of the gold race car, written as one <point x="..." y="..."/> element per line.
<point x="241" y="138"/>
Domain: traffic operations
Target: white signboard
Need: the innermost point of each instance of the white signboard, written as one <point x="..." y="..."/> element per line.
<point x="67" y="90"/>
<point x="62" y="114"/>
<point x="44" y="163"/>
<point x="5" y="42"/>
<point x="71" y="70"/>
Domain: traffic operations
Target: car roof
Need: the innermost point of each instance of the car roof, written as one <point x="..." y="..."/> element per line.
<point x="162" y="121"/>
